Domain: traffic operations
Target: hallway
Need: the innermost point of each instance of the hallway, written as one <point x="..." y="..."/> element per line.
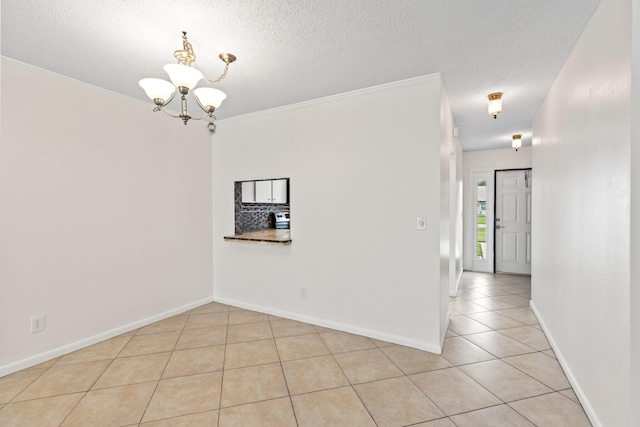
<point x="223" y="366"/>
<point x="495" y="339"/>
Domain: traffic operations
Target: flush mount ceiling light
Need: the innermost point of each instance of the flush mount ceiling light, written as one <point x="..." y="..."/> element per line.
<point x="495" y="104"/>
<point x="516" y="141"/>
<point x="185" y="77"/>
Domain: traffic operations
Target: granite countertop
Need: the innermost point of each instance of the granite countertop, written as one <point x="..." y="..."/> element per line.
<point x="271" y="236"/>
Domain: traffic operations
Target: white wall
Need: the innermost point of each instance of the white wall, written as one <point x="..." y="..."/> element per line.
<point x="451" y="198"/>
<point x="581" y="194"/>
<point x="490" y="161"/>
<point x="105" y="214"/>
<point x="456" y="218"/>
<point x="635" y="214"/>
<point x="363" y="166"/>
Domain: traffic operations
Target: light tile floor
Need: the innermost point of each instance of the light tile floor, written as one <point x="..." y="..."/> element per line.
<point x="224" y="366"/>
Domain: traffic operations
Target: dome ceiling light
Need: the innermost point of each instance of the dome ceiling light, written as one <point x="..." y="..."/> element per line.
<point x="516" y="141"/>
<point x="495" y="104"/>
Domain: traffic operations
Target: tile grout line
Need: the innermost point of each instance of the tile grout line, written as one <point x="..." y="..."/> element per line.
<point x="100" y="376"/>
<point x="517" y="311"/>
<point x="155" y="389"/>
<point x="224" y="361"/>
<point x="349" y="381"/>
<point x="286" y="383"/>
<point x="427" y="396"/>
<point x="501" y="359"/>
<point x="28" y="385"/>
<point x="92" y="384"/>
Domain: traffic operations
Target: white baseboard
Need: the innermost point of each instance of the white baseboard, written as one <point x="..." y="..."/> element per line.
<point x="85" y="342"/>
<point x="588" y="409"/>
<point x="454" y="293"/>
<point x="443" y="333"/>
<point x="344" y="327"/>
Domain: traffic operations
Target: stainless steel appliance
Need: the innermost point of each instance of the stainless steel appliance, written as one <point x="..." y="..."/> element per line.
<point x="282" y="219"/>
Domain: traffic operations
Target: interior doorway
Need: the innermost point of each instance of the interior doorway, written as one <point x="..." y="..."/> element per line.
<point x="512" y="222"/>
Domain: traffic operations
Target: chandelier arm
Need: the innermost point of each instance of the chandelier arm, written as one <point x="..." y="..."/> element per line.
<point x="164" y="103"/>
<point x="166" y="112"/>
<point x="207" y="113"/>
<point x="170" y="99"/>
<point x="203" y="108"/>
<point x="213" y="116"/>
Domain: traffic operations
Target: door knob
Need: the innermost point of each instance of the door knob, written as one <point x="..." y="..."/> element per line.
<point x="497" y="226"/>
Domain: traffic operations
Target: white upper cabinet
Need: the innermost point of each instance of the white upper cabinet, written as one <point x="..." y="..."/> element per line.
<point x="279" y="191"/>
<point x="248" y="191"/>
<point x="265" y="191"/>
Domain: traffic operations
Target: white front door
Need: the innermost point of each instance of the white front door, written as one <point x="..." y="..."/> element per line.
<point x="513" y="222"/>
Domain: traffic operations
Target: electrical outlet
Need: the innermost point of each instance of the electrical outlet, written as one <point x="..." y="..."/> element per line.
<point x="37" y="324"/>
<point x="421" y="223"/>
<point x="303" y="293"/>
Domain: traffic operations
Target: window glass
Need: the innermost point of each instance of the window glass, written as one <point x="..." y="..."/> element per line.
<point x="481" y="219"/>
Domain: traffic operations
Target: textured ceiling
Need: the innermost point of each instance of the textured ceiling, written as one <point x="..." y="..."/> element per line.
<point x="296" y="50"/>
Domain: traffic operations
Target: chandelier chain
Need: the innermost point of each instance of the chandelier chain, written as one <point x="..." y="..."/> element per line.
<point x="224" y="74"/>
<point x="186" y="45"/>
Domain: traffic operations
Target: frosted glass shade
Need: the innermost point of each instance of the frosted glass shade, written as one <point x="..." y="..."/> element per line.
<point x="183" y="75"/>
<point x="157" y="89"/>
<point x="495" y="107"/>
<point x="209" y="97"/>
<point x="516" y="141"/>
<point x="495" y="104"/>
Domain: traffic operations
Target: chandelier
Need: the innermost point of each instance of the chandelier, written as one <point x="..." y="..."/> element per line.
<point x="184" y="77"/>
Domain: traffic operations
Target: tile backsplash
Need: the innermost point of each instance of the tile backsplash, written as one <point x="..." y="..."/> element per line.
<point x="254" y="216"/>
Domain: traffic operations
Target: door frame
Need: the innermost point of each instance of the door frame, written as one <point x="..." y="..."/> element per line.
<point x="495" y="194"/>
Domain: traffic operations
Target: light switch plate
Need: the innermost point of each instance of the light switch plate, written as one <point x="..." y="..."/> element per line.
<point x="421" y="223"/>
